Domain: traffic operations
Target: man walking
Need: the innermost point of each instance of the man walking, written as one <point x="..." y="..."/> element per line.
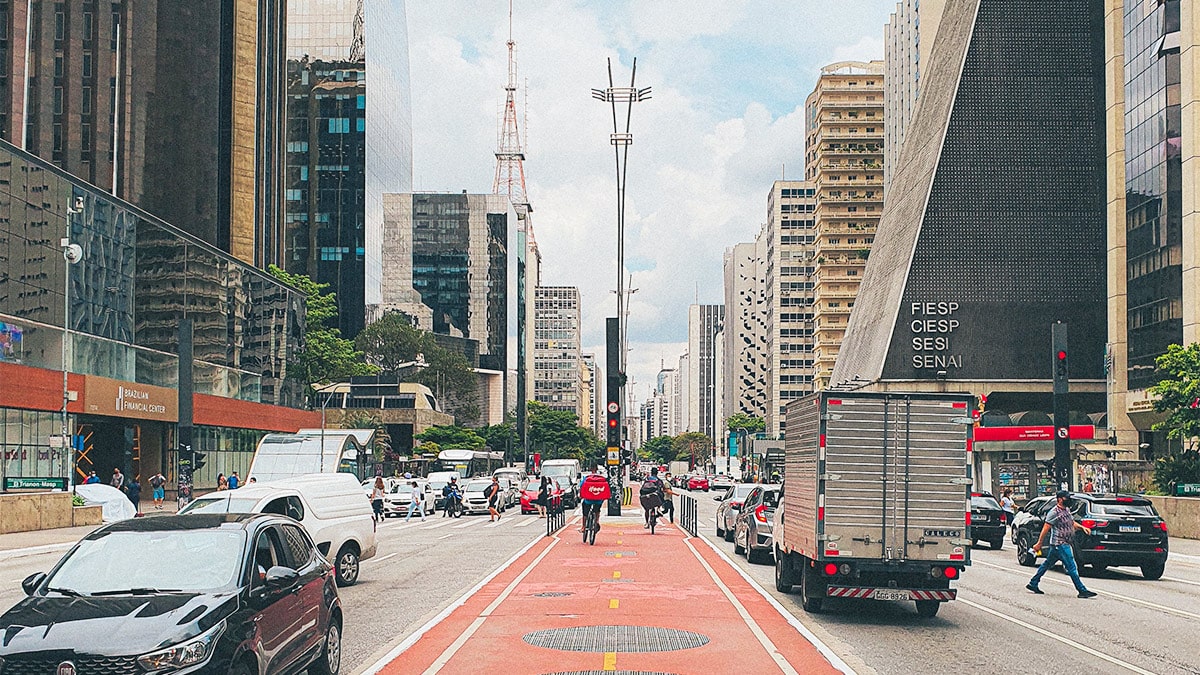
<point x="416" y="502"/>
<point x="118" y="480"/>
<point x="157" y="484"/>
<point x="1061" y="526"/>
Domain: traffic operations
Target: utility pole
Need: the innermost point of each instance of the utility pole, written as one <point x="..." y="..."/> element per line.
<point x="1062" y="414"/>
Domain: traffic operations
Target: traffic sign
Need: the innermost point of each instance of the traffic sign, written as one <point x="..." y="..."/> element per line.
<point x="613" y="407"/>
<point x="1062" y="432"/>
<point x="614" y="456"/>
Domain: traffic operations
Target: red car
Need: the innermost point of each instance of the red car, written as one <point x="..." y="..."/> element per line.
<point x="530" y="493"/>
<point x="697" y="483"/>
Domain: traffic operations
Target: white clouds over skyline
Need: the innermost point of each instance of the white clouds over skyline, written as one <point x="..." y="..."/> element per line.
<point x="726" y="118"/>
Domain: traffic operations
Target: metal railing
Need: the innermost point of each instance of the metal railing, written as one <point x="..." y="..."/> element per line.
<point x="556" y="515"/>
<point x="687" y="514"/>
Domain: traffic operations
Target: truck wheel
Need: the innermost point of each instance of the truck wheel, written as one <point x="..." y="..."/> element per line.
<point x="927" y="609"/>
<point x="812" y="592"/>
<point x="784" y="575"/>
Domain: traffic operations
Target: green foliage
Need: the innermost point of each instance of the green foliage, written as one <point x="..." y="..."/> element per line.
<point x="393" y="341"/>
<point x="327" y="356"/>
<point x="1181" y="466"/>
<point x="360" y="418"/>
<point x="1178" y="395"/>
<point x="691" y="445"/>
<point x="658" y="450"/>
<point x="451" y="437"/>
<point x="557" y="434"/>
<point x="76" y="500"/>
<point x="502" y="438"/>
<point x="750" y="423"/>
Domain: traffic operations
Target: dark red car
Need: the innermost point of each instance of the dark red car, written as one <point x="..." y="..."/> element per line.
<point x="697" y="483"/>
<point x="530" y="493"/>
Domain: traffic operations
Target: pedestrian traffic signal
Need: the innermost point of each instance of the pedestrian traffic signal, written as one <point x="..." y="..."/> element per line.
<point x="198" y="460"/>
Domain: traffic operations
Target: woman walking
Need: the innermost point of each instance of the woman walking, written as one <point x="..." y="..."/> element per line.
<point x="377" y="499"/>
<point x="493" y="497"/>
<point x="543" y="497"/>
<point x="416" y="503"/>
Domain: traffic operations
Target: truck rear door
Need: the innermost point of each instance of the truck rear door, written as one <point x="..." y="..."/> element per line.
<point x="896" y="477"/>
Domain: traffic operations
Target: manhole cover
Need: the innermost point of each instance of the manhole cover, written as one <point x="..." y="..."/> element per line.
<point x="623" y="554"/>
<point x="552" y="594"/>
<point x="615" y="639"/>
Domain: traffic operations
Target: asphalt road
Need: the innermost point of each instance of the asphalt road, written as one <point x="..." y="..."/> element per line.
<point x="1134" y="625"/>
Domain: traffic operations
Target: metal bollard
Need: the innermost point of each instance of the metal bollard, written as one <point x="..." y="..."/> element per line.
<point x="687" y="514"/>
<point x="556" y="516"/>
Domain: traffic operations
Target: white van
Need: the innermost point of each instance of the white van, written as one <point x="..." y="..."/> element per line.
<point x="566" y="472"/>
<point x="331" y="506"/>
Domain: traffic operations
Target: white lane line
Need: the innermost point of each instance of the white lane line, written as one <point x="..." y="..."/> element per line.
<point x="527" y="521"/>
<point x="34" y="550"/>
<point x="445" y="536"/>
<point x="381" y="559"/>
<point x="469" y="523"/>
<point x="765" y="641"/>
<point x="1183" y="558"/>
<point x="498" y="523"/>
<point x="442" y="660"/>
<point x="437" y="525"/>
<point x="1152" y="605"/>
<point x="834" y="660"/>
<point x="1054" y="636"/>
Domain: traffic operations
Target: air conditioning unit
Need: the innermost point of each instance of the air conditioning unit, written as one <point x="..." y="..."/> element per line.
<point x="1012" y="456"/>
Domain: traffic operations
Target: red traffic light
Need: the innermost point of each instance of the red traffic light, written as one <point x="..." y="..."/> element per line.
<point x="1062" y="355"/>
<point x="612" y="423"/>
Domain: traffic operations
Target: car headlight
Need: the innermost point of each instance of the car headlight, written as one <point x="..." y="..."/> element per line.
<point x="188" y="653"/>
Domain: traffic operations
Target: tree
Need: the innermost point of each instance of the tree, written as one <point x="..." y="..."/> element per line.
<point x="327" y="356"/>
<point x="750" y="423"/>
<point x="393" y="341"/>
<point x="502" y="438"/>
<point x="693" y="447"/>
<point x="451" y="436"/>
<point x="1178" y="395"/>
<point x="557" y="434"/>
<point x="659" y="449"/>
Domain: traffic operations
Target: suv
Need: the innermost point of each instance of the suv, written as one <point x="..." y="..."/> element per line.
<point x="1126" y="531"/>
<point x="988" y="520"/>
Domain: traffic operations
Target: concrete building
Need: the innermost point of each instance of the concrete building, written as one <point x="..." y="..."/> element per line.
<point x="994" y="232"/>
<point x="908" y="40"/>
<point x="175" y="107"/>
<point x="590" y="395"/>
<point x="557" y="365"/>
<point x="404" y="408"/>
<point x="789" y="239"/>
<point x="703" y="374"/>
<point x="348" y="142"/>
<point x="746" y="358"/>
<point x="681" y="394"/>
<point x="844" y="161"/>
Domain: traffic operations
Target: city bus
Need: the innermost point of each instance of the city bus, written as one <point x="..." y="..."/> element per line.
<point x="470" y="463"/>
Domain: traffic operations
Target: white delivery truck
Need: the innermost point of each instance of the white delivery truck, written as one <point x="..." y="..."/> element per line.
<point x="876" y="497"/>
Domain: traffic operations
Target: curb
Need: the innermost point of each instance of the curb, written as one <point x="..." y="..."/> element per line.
<point x="34" y="550"/>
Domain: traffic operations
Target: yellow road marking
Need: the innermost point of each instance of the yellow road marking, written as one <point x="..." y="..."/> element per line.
<point x="614" y="603"/>
<point x="616" y="575"/>
<point x="610" y="660"/>
<point x="617" y="555"/>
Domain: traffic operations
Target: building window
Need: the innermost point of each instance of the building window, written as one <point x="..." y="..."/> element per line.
<point x="58" y="65"/>
<point x="58" y="100"/>
<point x="360" y="125"/>
<point x="85" y="137"/>
<point x="339" y="125"/>
<point x="116" y="23"/>
<point x="361" y="101"/>
<point x="87" y="64"/>
<point x="86" y="104"/>
<point x="60" y="26"/>
<point x="87" y="26"/>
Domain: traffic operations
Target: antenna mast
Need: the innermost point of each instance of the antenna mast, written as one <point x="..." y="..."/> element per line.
<point x="510" y="156"/>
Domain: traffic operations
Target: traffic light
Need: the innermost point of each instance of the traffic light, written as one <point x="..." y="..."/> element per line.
<point x="626" y="456"/>
<point x="614" y="428"/>
<point x="1060" y="363"/>
<point x="198" y="460"/>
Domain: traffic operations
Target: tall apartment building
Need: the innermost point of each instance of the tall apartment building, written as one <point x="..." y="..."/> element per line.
<point x="907" y="44"/>
<point x="704" y="375"/>
<point x="590" y="396"/>
<point x="745" y="364"/>
<point x="556" y="349"/>
<point x="844" y="161"/>
<point x="789" y="239"/>
<point x="348" y="142"/>
<point x="176" y="107"/>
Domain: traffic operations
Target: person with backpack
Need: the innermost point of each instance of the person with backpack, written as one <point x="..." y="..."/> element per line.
<point x="492" y="492"/>
<point x="594" y="490"/>
<point x="157" y="484"/>
<point x="651" y="494"/>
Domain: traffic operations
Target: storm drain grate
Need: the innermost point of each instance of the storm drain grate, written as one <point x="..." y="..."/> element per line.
<point x="615" y="639"/>
<point x="553" y="594"/>
<point x="623" y="554"/>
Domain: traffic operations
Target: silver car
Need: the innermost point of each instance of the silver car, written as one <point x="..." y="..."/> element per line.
<point x="731" y="503"/>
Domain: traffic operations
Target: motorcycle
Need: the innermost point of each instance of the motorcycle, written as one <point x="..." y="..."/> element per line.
<point x="454" y="505"/>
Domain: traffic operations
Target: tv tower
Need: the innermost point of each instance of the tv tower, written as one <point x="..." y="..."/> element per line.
<point x="510" y="156"/>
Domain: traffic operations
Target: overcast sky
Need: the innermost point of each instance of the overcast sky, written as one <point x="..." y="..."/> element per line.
<point x="729" y="80"/>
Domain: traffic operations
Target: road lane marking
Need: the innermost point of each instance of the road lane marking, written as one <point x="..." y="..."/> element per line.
<point x="610" y="660"/>
<point x="437" y="525"/>
<point x="825" y="650"/>
<point x="746" y="618"/>
<point x="445" y="536"/>
<point x="614" y="603"/>
<point x="35" y="550"/>
<point x="1185" y="559"/>
<point x="390" y="555"/>
<point x="527" y="521"/>
<point x="469" y="523"/>
<point x="1054" y="636"/>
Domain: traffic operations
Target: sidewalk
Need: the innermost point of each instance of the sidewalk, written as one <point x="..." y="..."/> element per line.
<point x="633" y="602"/>
<point x="17" y="544"/>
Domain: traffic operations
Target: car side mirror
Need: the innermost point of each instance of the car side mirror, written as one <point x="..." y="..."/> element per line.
<point x="280" y="577"/>
<point x="31" y="582"/>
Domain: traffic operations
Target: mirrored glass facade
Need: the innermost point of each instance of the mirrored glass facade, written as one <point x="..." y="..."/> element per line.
<point x="349" y="140"/>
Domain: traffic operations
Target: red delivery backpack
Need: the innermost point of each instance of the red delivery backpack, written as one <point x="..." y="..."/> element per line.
<point x="595" y="488"/>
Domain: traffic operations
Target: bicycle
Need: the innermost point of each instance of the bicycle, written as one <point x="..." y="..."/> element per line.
<point x="652" y="502"/>
<point x="653" y="518"/>
<point x="591" y="523"/>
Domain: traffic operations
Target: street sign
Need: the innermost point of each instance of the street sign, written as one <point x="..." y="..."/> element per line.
<point x="1187" y="490"/>
<point x="26" y="483"/>
<point x="1062" y="432"/>
<point x="613" y="407"/>
<point x="614" y="456"/>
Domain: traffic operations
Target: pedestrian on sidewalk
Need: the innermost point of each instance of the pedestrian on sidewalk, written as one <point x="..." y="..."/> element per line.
<point x="1061" y="526"/>
<point x="1010" y="508"/>
<point x="134" y="492"/>
<point x="377" y="499"/>
<point x="222" y="482"/>
<point x="416" y="502"/>
<point x="543" y="497"/>
<point x="233" y="481"/>
<point x="92" y="478"/>
<point x="118" y="480"/>
<point x="158" y="483"/>
<point x="492" y="492"/>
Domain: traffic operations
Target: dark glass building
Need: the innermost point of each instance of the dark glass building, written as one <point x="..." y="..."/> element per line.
<point x="136" y="278"/>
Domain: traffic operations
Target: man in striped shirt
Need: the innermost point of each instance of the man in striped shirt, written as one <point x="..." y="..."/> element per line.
<point x="1061" y="526"/>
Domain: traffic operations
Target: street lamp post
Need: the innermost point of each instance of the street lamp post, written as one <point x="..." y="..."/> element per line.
<point x="72" y="254"/>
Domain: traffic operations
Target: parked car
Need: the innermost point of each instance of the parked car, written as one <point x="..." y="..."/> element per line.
<point x="721" y="481"/>
<point x="474" y="500"/>
<point x="1126" y="531"/>
<point x="330" y="506"/>
<point x="399" y="496"/>
<point x="753" y="533"/>
<point x="530" y="493"/>
<point x="988" y="520"/>
<point x="697" y="482"/>
<point x="731" y="502"/>
<point x="242" y="594"/>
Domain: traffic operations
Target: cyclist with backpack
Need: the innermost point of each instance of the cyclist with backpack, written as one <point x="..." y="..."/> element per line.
<point x="594" y="490"/>
<point x="651" y="494"/>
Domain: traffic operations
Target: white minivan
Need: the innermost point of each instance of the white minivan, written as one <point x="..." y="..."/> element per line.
<point x="330" y="506"/>
<point x="566" y="472"/>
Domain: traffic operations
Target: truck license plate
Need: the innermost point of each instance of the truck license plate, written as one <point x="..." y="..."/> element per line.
<point x="890" y="594"/>
<point x="1130" y="528"/>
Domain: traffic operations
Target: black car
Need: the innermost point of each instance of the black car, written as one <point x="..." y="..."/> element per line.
<point x="243" y="594"/>
<point x="752" y="532"/>
<point x="989" y="522"/>
<point x="1126" y="531"/>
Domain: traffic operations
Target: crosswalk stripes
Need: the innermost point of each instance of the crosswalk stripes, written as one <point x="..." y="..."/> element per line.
<point x="437" y="525"/>
<point x="469" y="523"/>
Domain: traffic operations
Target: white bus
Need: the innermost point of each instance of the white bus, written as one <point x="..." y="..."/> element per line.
<point x="470" y="463"/>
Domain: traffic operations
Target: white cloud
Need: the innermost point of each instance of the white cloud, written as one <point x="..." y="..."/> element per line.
<point x="729" y="80"/>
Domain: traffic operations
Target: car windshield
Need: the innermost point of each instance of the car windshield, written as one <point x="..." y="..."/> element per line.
<point x="984" y="503"/>
<point x="533" y="484"/>
<point x="438" y="484"/>
<point x="220" y="505"/>
<point x="183" y="560"/>
<point x="477" y="487"/>
<point x="740" y="491"/>
<point x="1123" y="509"/>
<point x="556" y="471"/>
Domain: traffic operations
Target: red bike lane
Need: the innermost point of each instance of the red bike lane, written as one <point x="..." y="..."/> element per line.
<point x="633" y="602"/>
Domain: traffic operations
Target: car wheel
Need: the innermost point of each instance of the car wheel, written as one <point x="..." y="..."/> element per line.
<point x="347" y="566"/>
<point x="330" y="660"/>
<point x="738" y="549"/>
<point x="753" y="555"/>
<point x="729" y="535"/>
<point x="1154" y="570"/>
<point x="1025" y="558"/>
<point x="927" y="609"/>
<point x="998" y="544"/>
<point x="720" y="532"/>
